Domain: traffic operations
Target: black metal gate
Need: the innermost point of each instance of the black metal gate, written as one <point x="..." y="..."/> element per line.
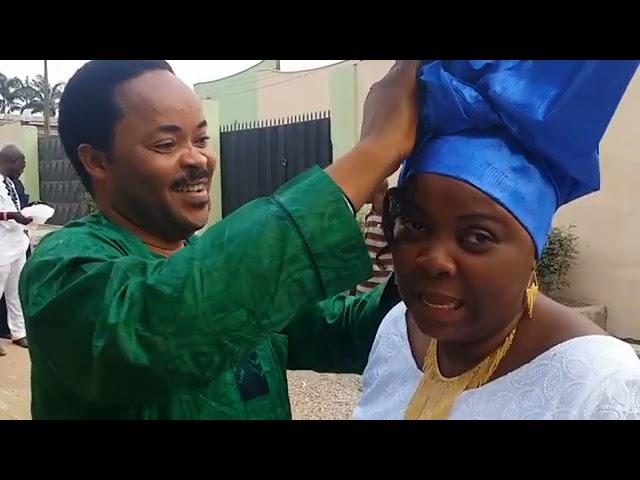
<point x="258" y="157"/>
<point x="60" y="186"/>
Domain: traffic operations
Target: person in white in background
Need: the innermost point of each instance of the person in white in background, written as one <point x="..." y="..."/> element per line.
<point x="13" y="241"/>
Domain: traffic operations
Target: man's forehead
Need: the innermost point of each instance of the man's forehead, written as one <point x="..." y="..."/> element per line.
<point x="157" y="93"/>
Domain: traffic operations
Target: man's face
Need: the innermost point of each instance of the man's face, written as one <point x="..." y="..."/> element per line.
<point x="16" y="167"/>
<point x="160" y="166"/>
<point x="12" y="162"/>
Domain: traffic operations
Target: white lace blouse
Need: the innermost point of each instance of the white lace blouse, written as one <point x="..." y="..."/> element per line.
<point x="591" y="377"/>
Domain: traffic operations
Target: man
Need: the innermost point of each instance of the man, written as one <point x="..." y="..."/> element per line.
<point x="131" y="316"/>
<point x="23" y="198"/>
<point x="13" y="241"/>
<point x="376" y="244"/>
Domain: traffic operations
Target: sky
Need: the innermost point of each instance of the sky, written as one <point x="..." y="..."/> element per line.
<point x="190" y="71"/>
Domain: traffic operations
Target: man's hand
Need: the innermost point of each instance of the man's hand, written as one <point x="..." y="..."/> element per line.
<point x="390" y="116"/>
<point x="389" y="123"/>
<point x="38" y="202"/>
<point x="18" y="217"/>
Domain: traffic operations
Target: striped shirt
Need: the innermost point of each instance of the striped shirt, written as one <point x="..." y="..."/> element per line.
<point x="375" y="241"/>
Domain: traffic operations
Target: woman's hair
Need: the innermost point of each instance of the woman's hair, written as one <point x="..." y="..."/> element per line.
<point x="392" y="206"/>
<point x="390" y="212"/>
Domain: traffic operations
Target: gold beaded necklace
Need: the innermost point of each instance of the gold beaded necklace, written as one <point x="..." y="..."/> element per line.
<point x="436" y="394"/>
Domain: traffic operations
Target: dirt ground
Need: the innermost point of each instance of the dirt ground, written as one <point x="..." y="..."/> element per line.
<point x="325" y="396"/>
<point x="15" y="394"/>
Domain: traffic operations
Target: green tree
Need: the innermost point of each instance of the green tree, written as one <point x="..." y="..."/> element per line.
<point x="34" y="94"/>
<point x="10" y="94"/>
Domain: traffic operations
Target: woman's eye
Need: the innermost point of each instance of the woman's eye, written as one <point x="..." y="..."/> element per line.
<point x="479" y="238"/>
<point x="413" y="225"/>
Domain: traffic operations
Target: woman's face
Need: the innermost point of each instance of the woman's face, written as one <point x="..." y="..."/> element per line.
<point x="462" y="261"/>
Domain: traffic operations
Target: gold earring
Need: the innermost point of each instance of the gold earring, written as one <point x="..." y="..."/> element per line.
<point x="532" y="291"/>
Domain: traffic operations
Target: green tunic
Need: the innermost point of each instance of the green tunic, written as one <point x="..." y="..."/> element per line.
<point x="116" y="331"/>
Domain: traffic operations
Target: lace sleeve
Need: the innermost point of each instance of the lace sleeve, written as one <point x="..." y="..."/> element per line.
<point x="615" y="396"/>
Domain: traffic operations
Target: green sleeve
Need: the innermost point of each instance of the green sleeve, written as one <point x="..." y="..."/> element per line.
<point x="336" y="335"/>
<point x="120" y="328"/>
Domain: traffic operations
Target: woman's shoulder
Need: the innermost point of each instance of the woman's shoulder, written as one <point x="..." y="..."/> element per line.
<point x="577" y="346"/>
<point x="603" y="353"/>
<point x="607" y="372"/>
<point x="573" y="367"/>
<point x="586" y="377"/>
<point x="552" y="325"/>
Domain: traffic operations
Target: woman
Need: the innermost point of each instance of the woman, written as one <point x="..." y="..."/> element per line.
<point x="507" y="143"/>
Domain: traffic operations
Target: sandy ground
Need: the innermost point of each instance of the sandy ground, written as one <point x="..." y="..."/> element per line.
<point x="326" y="396"/>
<point x="15" y="395"/>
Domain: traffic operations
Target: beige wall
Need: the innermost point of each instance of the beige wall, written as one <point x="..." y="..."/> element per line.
<point x="608" y="224"/>
<point x="286" y="94"/>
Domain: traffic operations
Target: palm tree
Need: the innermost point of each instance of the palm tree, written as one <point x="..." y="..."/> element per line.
<point x="36" y="91"/>
<point x="10" y="94"/>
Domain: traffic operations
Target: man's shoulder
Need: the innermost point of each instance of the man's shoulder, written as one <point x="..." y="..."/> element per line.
<point x="92" y="235"/>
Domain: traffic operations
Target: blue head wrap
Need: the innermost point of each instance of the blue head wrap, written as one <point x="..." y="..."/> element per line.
<point x="524" y="132"/>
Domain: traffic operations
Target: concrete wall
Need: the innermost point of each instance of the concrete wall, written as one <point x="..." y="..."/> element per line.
<point x="283" y="94"/>
<point x="608" y="224"/>
<point x="236" y="95"/>
<point x="345" y="131"/>
<point x="26" y="138"/>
